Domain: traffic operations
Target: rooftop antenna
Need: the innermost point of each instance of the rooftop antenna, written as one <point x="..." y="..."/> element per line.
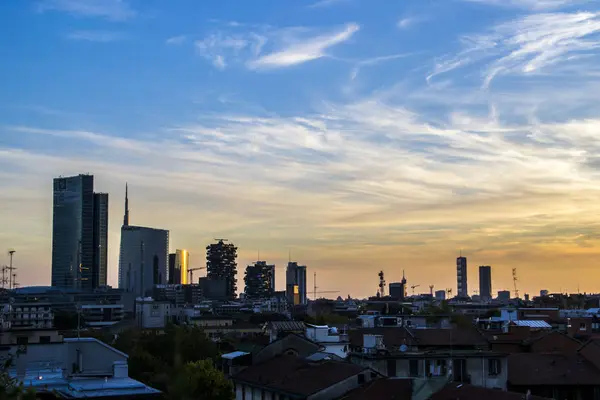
<point x="382" y="283"/>
<point x="11" y="253"/>
<point x="315" y="285"/>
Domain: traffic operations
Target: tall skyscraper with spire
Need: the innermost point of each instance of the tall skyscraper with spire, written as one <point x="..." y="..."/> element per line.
<point x="144" y="256"/>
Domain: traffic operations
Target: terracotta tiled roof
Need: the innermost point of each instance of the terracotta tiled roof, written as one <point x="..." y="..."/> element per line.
<point x="457" y="391"/>
<point x="297" y="376"/>
<point x="383" y="389"/>
<point x="530" y="369"/>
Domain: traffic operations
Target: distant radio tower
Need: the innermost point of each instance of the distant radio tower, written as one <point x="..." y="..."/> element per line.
<point x="11" y="275"/>
<point x="514" y="275"/>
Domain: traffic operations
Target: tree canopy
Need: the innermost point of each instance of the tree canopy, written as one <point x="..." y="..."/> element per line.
<point x="180" y="362"/>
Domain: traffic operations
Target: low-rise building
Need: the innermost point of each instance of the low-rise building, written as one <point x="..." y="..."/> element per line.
<point x="70" y="368"/>
<point x="290" y="377"/>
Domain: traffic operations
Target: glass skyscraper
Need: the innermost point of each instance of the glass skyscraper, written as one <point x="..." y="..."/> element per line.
<point x="79" y="233"/>
<point x="143" y="257"/>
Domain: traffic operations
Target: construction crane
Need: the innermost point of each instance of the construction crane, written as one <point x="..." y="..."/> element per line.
<point x="514" y="275"/>
<point x="413" y="287"/>
<point x="324" y="292"/>
<point x="315" y="287"/>
<point x="191" y="272"/>
<point x="221" y="240"/>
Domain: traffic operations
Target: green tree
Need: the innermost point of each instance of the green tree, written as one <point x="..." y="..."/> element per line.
<point x="200" y="380"/>
<point x="11" y="388"/>
<point x="158" y="358"/>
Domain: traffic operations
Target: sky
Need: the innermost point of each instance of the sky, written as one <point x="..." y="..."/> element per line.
<point x="355" y="135"/>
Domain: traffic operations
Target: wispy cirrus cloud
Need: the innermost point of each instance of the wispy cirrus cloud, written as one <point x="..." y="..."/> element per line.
<point x="176" y="40"/>
<point x="304" y="50"/>
<point x="117" y="10"/>
<point x="374" y="61"/>
<point x="528" y="45"/>
<point x="409" y="22"/>
<point x="534" y="5"/>
<point x="96" y="36"/>
<point x="327" y="3"/>
<point x="288" y="46"/>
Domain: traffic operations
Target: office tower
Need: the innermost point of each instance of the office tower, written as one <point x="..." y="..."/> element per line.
<point x="485" y="282"/>
<point x="172" y="278"/>
<point x="178" y="267"/>
<point x="79" y="233"/>
<point x="221" y="265"/>
<point x="295" y="280"/>
<point x="99" y="270"/>
<point x="143" y="258"/>
<point x="461" y="277"/>
<point x="259" y="280"/>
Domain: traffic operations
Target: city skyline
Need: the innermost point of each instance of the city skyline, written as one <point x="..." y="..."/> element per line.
<point x="361" y="138"/>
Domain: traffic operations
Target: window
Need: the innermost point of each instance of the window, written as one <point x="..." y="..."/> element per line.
<point x="413" y="368"/>
<point x="494" y="367"/>
<point x="391" y="368"/>
<point x="361" y="379"/>
<point x="22" y="340"/>
<point x="582" y="326"/>
<point x="44" y="339"/>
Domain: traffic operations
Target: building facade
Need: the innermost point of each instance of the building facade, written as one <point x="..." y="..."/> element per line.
<point x="99" y="270"/>
<point x="178" y="267"/>
<point x="461" y="277"/>
<point x="221" y="265"/>
<point x="485" y="282"/>
<point x="143" y="259"/>
<point x="79" y="233"/>
<point x="259" y="280"/>
<point x="295" y="281"/>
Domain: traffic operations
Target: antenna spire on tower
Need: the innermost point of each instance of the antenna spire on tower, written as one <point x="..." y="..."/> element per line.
<point x="126" y="216"/>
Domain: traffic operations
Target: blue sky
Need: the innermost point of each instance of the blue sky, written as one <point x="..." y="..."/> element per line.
<point x="362" y="135"/>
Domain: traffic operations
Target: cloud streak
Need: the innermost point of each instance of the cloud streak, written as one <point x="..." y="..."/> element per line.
<point x="95" y="36"/>
<point x="116" y="10"/>
<point x="534" y="5"/>
<point x="303" y="51"/>
<point x="528" y="45"/>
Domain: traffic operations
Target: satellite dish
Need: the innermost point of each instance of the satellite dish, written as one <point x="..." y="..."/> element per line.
<point x="403" y="348"/>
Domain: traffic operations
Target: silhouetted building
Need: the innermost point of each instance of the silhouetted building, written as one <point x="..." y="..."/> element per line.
<point x="221" y="265"/>
<point x="79" y="233"/>
<point x="178" y="267"/>
<point x="100" y="268"/>
<point x="259" y="280"/>
<point x="295" y="283"/>
<point x="504" y="295"/>
<point x="143" y="258"/>
<point x="485" y="282"/>
<point x="213" y="289"/>
<point x="461" y="277"/>
<point x="396" y="290"/>
<point x="440" y="295"/>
